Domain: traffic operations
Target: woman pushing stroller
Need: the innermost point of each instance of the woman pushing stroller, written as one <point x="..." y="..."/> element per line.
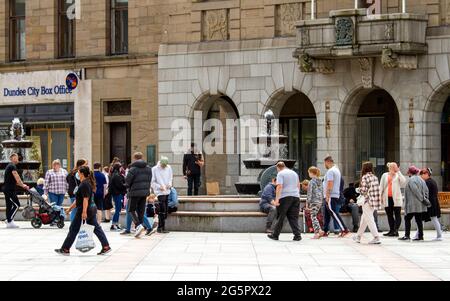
<point x="86" y="212"/>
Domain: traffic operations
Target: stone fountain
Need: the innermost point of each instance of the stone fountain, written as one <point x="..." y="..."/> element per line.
<point x="274" y="149"/>
<point x="28" y="169"/>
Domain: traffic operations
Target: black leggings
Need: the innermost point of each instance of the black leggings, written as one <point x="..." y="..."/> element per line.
<point x="408" y="219"/>
<point x="12" y="205"/>
<point x="391" y="211"/>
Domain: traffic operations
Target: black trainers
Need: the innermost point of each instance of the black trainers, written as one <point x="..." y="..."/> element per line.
<point x="404" y="238"/>
<point x="271" y="236"/>
<point x="390" y="234"/>
<point x="62" y="252"/>
<point x="104" y="251"/>
<point x="297" y="238"/>
<point x="418" y="239"/>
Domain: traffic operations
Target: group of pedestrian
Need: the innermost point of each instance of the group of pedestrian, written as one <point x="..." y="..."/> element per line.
<point x="280" y="199"/>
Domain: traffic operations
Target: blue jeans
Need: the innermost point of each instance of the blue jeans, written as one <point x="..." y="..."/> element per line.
<point x="74" y="211"/>
<point x="58" y="199"/>
<point x="148" y="222"/>
<point x="118" y="199"/>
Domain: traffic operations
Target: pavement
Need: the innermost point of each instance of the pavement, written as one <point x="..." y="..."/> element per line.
<point x="27" y="254"/>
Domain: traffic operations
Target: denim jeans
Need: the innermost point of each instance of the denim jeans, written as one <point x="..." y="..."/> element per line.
<point x="148" y="222"/>
<point x="74" y="211"/>
<point x="58" y="199"/>
<point x="118" y="201"/>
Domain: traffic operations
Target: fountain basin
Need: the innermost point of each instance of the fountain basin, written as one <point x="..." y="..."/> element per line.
<point x="248" y="188"/>
<point x="29" y="165"/>
<point x="280" y="139"/>
<point x="17" y="144"/>
<point x="265" y="163"/>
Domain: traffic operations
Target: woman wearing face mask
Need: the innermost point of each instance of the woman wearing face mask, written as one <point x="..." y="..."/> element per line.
<point x="86" y="211"/>
<point x="435" y="210"/>
<point x="74" y="180"/>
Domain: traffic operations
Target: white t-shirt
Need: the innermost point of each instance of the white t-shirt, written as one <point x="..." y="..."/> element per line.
<point x="290" y="181"/>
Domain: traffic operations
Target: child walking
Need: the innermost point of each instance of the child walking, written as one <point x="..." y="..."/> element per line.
<point x="314" y="199"/>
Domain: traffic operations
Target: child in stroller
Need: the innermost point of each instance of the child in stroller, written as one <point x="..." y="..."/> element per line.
<point x="46" y="214"/>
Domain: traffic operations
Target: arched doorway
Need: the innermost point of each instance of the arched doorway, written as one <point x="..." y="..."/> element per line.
<point x="298" y="122"/>
<point x="445" y="146"/>
<point x="377" y="131"/>
<point x="370" y="131"/>
<point x="223" y="165"/>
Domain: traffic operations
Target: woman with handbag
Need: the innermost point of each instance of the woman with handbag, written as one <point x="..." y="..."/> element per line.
<point x="86" y="211"/>
<point x="434" y="211"/>
<point x="370" y="201"/>
<point x="117" y="190"/>
<point x="416" y="203"/>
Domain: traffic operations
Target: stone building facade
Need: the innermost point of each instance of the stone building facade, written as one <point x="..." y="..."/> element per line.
<point x="357" y="98"/>
<point x="118" y="114"/>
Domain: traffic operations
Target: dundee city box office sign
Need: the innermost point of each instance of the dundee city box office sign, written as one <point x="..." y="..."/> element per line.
<point x="59" y="85"/>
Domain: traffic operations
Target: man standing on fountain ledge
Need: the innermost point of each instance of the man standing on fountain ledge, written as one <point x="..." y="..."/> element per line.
<point x="287" y="201"/>
<point x="12" y="180"/>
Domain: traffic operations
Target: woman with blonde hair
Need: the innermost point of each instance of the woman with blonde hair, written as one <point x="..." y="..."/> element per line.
<point x="391" y="196"/>
<point x="314" y="199"/>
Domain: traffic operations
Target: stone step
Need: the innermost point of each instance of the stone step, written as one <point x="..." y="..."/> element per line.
<point x="244" y="222"/>
<point x="218" y="204"/>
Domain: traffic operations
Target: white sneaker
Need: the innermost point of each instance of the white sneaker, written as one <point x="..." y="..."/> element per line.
<point x="357" y="238"/>
<point x="375" y="241"/>
<point x="11" y="225"/>
<point x="139" y="230"/>
<point x="438" y="239"/>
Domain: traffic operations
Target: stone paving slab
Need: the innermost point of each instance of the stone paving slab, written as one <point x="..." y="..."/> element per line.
<point x="27" y="254"/>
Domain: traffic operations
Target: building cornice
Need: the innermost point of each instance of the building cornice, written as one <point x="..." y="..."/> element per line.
<point x="80" y="62"/>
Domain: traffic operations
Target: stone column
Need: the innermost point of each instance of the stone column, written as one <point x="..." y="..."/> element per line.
<point x="83" y="121"/>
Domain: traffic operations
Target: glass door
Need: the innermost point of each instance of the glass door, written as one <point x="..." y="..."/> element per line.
<point x="370" y="143"/>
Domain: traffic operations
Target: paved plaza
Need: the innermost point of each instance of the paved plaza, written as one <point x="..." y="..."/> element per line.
<point x="27" y="254"/>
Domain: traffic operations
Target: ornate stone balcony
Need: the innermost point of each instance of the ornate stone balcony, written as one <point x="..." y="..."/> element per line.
<point x="396" y="38"/>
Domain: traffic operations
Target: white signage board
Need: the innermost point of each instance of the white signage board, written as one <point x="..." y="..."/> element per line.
<point x="36" y="85"/>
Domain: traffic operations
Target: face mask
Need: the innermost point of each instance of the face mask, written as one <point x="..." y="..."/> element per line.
<point x="77" y="176"/>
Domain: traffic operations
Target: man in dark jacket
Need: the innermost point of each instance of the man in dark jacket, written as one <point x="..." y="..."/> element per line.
<point x="192" y="164"/>
<point x="138" y="182"/>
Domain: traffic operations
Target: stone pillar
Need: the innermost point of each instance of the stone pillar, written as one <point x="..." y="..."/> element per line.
<point x="83" y="121"/>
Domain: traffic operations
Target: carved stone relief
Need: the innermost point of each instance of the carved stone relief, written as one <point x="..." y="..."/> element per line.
<point x="215" y="25"/>
<point x="285" y="18"/>
<point x="366" y="67"/>
<point x="344" y="31"/>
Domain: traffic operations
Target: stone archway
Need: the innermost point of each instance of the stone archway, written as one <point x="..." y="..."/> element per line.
<point x="298" y="121"/>
<point x="369" y="130"/>
<point x="437" y="135"/>
<point x="221" y="166"/>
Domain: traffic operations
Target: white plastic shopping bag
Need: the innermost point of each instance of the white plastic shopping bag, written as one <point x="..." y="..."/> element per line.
<point x="85" y="240"/>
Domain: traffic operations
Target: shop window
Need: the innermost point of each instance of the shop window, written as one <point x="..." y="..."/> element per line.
<point x="56" y="143"/>
<point x="66" y="31"/>
<point x="119" y="26"/>
<point x="17" y="30"/>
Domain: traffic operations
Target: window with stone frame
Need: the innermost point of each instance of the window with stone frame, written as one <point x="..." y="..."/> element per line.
<point x="445" y="12"/>
<point x="215" y="25"/>
<point x="17" y="49"/>
<point x="286" y="15"/>
<point x="66" y="30"/>
<point x="118" y="108"/>
<point x="119" y="26"/>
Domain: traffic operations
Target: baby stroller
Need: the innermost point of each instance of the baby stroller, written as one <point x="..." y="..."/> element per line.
<point x="46" y="214"/>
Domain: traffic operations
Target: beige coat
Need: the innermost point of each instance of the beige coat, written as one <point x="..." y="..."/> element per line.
<point x="398" y="182"/>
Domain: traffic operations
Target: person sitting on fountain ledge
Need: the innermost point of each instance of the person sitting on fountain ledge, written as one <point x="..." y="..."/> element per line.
<point x="287" y="201"/>
<point x="266" y="204"/>
<point x="12" y="180"/>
